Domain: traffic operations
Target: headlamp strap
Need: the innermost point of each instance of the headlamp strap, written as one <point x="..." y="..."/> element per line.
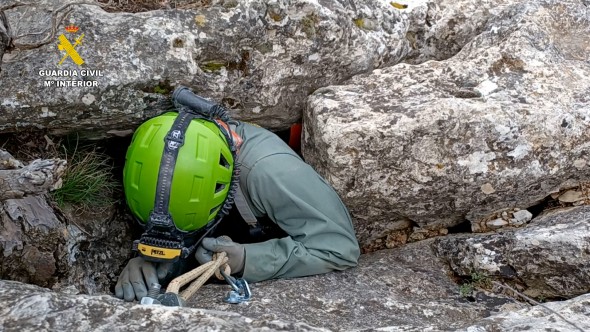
<point x="162" y="240"/>
<point x="173" y="141"/>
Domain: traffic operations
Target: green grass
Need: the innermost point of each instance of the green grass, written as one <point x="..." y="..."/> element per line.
<point x="477" y="280"/>
<point x="88" y="182"/>
<point x="466" y="289"/>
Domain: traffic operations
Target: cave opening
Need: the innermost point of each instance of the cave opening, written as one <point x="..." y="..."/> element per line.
<point x="463" y="227"/>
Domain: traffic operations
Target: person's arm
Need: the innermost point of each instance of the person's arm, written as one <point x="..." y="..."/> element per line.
<point x="321" y="236"/>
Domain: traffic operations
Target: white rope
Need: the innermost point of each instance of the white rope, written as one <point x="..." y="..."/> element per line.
<point x="199" y="276"/>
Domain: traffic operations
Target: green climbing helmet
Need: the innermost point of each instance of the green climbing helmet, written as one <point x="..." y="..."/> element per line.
<point x="201" y="176"/>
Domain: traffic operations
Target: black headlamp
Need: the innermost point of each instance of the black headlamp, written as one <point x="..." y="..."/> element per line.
<point x="163" y="242"/>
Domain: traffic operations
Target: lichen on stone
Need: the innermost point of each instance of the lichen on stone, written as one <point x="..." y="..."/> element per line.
<point x="213" y="65"/>
<point x="308" y="24"/>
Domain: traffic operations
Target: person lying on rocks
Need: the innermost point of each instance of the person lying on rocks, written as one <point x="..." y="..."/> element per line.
<point x="194" y="175"/>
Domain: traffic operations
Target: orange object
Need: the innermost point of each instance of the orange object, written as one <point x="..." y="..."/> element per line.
<point x="295" y="137"/>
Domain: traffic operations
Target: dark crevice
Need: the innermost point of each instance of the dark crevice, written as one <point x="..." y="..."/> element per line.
<point x="463" y="227"/>
<point x="5" y="39"/>
<point x="284" y="134"/>
<point x="538" y="208"/>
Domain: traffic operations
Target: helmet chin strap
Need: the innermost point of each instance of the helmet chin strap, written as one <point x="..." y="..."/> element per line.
<point x="162" y="241"/>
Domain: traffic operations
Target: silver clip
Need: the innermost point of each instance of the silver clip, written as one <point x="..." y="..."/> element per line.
<point x="240" y="290"/>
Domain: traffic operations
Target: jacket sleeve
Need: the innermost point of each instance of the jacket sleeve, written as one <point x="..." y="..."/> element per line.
<point x="321" y="236"/>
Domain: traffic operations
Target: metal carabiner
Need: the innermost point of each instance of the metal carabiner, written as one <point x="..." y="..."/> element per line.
<point x="240" y="290"/>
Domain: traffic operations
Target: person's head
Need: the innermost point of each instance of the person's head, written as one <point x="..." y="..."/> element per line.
<point x="177" y="177"/>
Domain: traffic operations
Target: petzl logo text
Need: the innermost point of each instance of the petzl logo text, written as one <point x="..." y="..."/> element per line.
<point x="69" y="48"/>
<point x="157" y="252"/>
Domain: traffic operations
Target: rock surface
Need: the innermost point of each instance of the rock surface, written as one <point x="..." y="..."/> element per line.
<point x="376" y="294"/>
<point x="400" y="306"/>
<point x="84" y="252"/>
<point x="405" y="287"/>
<point x="30" y="308"/>
<point x="549" y="257"/>
<point x="36" y="178"/>
<point x="502" y="124"/>
<point x="439" y="29"/>
<point x="497" y="126"/>
<point x="4" y="35"/>
<point x="576" y="311"/>
<point x="261" y="58"/>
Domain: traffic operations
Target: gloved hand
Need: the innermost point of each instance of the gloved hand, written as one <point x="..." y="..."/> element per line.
<point x="236" y="253"/>
<point x="137" y="277"/>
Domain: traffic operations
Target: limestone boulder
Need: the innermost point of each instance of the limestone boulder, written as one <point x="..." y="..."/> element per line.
<point x="439" y="29"/>
<point x="501" y="124"/>
<point x="402" y="289"/>
<point x="260" y="58"/>
<point x="31" y="308"/>
<point x="80" y="251"/>
<point x="407" y="288"/>
<point x="548" y="258"/>
<point x="562" y="316"/>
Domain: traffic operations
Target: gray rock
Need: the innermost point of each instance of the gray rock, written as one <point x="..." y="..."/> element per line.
<point x="571" y="196"/>
<point x="4" y="35"/>
<point x="96" y="248"/>
<point x="521" y="217"/>
<point x="261" y="58"/>
<point x="7" y="161"/>
<point x="31" y="308"/>
<point x="407" y="287"/>
<point x="564" y="316"/>
<point x="83" y="251"/>
<point x="36" y="178"/>
<point x="30" y="232"/>
<point x="548" y="257"/>
<point x="509" y="218"/>
<point x="439" y="29"/>
<point x="404" y="289"/>
<point x="414" y="145"/>
<point x="497" y="223"/>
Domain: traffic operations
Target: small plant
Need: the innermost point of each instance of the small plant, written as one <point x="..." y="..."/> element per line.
<point x="160" y="90"/>
<point x="466" y="289"/>
<point x="88" y="182"/>
<point x="481" y="280"/>
<point x="477" y="280"/>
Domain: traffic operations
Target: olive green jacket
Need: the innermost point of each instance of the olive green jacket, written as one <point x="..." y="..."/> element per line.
<point x="278" y="184"/>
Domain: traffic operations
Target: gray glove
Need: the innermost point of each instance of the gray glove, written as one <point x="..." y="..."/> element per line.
<point x="137" y="276"/>
<point x="236" y="253"/>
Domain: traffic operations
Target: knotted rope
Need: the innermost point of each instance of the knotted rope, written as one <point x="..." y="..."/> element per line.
<point x="201" y="274"/>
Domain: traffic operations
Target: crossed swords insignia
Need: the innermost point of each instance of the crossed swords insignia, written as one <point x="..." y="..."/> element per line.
<point x="65" y="45"/>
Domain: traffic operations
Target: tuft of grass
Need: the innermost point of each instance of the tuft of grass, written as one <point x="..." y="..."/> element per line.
<point x="88" y="182"/>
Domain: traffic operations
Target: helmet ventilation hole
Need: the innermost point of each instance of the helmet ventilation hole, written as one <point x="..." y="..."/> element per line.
<point x="219" y="187"/>
<point x="223" y="162"/>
